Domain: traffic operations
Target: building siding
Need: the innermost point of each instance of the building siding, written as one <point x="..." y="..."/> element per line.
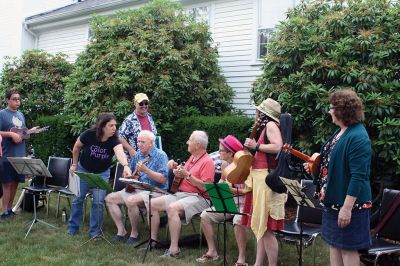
<point x="69" y="40"/>
<point x="233" y="27"/>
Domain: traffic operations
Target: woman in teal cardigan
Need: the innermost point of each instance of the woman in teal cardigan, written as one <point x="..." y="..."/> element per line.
<point x="344" y="180"/>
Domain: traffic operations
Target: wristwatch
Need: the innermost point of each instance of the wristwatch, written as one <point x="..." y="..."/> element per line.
<point x="189" y="176"/>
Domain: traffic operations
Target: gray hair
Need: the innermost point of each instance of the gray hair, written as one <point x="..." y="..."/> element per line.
<point x="201" y="138"/>
<point x="148" y="134"/>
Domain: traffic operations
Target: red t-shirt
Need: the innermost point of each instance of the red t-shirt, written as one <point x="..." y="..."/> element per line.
<point x="144" y="122"/>
<point x="203" y="169"/>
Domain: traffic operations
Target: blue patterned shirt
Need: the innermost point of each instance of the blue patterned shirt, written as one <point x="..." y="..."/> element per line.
<point x="157" y="162"/>
<point x="131" y="128"/>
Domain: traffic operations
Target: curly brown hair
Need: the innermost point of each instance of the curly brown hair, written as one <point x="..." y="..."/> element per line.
<point x="347" y="106"/>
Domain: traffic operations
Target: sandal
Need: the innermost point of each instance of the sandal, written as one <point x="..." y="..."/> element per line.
<point x="241" y="264"/>
<point x="206" y="258"/>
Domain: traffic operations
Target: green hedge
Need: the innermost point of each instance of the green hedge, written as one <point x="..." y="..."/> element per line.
<point x="57" y="141"/>
<point x="174" y="143"/>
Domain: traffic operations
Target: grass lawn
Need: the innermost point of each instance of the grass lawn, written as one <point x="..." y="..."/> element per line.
<point x="47" y="246"/>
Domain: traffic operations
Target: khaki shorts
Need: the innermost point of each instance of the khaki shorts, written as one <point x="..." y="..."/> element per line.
<point x="217" y="217"/>
<point x="145" y="195"/>
<point x="192" y="204"/>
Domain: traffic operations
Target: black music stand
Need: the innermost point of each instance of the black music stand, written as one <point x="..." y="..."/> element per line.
<point x="222" y="199"/>
<point x="96" y="181"/>
<point x="147" y="187"/>
<point x="34" y="168"/>
<point x="302" y="200"/>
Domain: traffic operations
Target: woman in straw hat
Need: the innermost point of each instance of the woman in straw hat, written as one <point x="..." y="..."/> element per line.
<point x="267" y="208"/>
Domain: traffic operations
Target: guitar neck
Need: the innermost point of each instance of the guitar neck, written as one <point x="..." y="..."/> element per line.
<point x="252" y="135"/>
<point x="297" y="153"/>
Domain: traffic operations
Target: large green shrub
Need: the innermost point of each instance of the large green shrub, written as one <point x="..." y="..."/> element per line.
<point x="156" y="50"/>
<point x="326" y="45"/>
<point x="57" y="141"/>
<point x="39" y="78"/>
<point x="174" y="143"/>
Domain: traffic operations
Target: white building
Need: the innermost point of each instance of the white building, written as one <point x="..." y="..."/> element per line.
<point x="240" y="29"/>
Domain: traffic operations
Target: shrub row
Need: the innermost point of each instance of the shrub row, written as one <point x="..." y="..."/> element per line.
<point x="58" y="140"/>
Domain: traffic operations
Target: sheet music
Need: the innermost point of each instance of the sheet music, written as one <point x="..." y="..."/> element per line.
<point x="295" y="189"/>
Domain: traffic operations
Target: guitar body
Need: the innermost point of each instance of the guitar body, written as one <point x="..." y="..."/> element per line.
<point x="315" y="159"/>
<point x="22" y="132"/>
<point x="25" y="133"/>
<point x="238" y="171"/>
<point x="175" y="184"/>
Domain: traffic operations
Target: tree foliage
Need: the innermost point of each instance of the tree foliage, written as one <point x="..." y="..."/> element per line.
<point x="38" y="76"/>
<point x="157" y="50"/>
<point x="326" y="45"/>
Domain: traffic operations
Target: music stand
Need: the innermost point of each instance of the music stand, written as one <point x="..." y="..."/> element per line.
<point x="147" y="187"/>
<point x="96" y="181"/>
<point x="34" y="168"/>
<point x="222" y="199"/>
<point x="302" y="200"/>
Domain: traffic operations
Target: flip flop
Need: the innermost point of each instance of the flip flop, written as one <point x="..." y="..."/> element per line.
<point x="241" y="264"/>
<point x="206" y="258"/>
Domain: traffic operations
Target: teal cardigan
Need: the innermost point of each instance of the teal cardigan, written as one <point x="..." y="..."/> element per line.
<point x="349" y="167"/>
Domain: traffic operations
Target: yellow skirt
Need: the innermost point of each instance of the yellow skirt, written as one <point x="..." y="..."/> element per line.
<point x="265" y="202"/>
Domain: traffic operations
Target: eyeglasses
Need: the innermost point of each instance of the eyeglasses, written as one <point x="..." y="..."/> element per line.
<point x="144" y="103"/>
<point x="331" y="107"/>
<point x="15" y="99"/>
<point x="222" y="150"/>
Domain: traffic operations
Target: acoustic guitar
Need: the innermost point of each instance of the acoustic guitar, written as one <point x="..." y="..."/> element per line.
<point x="313" y="160"/>
<point x="135" y="175"/>
<point x="25" y="133"/>
<point x="239" y="169"/>
<point x="177" y="180"/>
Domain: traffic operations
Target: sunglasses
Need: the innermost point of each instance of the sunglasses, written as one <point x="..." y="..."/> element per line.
<point x="146" y="103"/>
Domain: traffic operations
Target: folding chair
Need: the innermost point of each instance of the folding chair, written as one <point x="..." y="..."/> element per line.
<point x="385" y="242"/>
<point x="311" y="219"/>
<point x="59" y="169"/>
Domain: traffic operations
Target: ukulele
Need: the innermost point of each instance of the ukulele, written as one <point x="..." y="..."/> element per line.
<point x="239" y="169"/>
<point x="177" y="180"/>
<point x="313" y="160"/>
<point x="25" y="133"/>
<point x="136" y="175"/>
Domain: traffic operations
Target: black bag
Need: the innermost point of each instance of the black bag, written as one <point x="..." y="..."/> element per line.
<point x="284" y="159"/>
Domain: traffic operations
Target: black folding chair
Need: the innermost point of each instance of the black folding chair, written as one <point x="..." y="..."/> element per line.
<point x="59" y="169"/>
<point x="309" y="218"/>
<point x="385" y="249"/>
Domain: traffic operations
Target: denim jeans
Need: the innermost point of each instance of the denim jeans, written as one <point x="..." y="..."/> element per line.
<point x="96" y="216"/>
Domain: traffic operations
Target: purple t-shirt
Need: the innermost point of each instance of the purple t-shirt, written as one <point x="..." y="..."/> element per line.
<point x="96" y="156"/>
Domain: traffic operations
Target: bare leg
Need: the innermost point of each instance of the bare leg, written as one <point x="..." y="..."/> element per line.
<point x="208" y="231"/>
<point x="241" y="239"/>
<point x="335" y="256"/>
<point x="113" y="201"/>
<point x="175" y="211"/>
<point x="6" y="196"/>
<point x="350" y="257"/>
<point x="13" y="192"/>
<point x="260" y="256"/>
<point x="157" y="205"/>
<point x="271" y="247"/>
<point x="133" y="203"/>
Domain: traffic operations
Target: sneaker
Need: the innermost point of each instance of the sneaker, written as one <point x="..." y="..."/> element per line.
<point x="132" y="240"/>
<point x="10" y="213"/>
<point x="119" y="238"/>
<point x="169" y="254"/>
<point x="4" y="216"/>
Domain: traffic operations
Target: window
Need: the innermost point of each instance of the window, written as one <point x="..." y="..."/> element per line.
<point x="264" y="36"/>
<point x="270" y="13"/>
<point x="200" y="13"/>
